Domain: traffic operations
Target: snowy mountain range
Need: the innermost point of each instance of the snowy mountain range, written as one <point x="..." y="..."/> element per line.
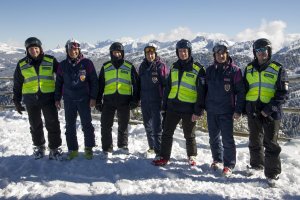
<point x="241" y="52"/>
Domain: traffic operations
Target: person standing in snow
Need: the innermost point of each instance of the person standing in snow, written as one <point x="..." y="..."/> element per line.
<point x="77" y="82"/>
<point x="152" y="74"/>
<point x="225" y="100"/>
<point x="184" y="99"/>
<point x="118" y="87"/>
<point x="266" y="84"/>
<point x="34" y="82"/>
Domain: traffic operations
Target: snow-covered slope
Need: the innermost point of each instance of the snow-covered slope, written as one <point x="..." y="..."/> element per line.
<point x="132" y="177"/>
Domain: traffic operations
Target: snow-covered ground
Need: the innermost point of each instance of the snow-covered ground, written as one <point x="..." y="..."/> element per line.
<point x="132" y="177"/>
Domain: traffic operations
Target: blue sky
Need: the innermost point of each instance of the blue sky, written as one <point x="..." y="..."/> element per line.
<point x="55" y="21"/>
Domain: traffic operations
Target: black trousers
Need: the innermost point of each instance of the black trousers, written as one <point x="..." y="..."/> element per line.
<point x="51" y="124"/>
<point x="171" y="121"/>
<point x="107" y="120"/>
<point x="263" y="146"/>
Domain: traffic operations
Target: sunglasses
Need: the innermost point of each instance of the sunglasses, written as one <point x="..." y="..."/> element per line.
<point x="149" y="49"/>
<point x="261" y="50"/>
<point x="220" y="49"/>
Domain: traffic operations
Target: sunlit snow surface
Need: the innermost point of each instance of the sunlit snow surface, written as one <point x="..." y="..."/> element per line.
<point x="132" y="176"/>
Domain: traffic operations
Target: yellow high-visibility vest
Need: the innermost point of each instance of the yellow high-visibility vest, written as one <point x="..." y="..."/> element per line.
<point x="262" y="84"/>
<point x="33" y="81"/>
<point x="118" y="80"/>
<point x="187" y="90"/>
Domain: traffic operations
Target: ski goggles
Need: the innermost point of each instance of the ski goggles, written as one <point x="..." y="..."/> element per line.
<point x="261" y="50"/>
<point x="149" y="49"/>
<point x="73" y="45"/>
<point x="220" y="49"/>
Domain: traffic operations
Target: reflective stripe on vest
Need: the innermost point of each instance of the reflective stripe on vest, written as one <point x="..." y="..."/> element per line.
<point x="187" y="91"/>
<point x="117" y="80"/>
<point x="262" y="84"/>
<point x="33" y="82"/>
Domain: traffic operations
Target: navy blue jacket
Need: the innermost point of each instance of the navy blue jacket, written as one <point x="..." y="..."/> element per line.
<point x="175" y="105"/>
<point x="153" y="77"/>
<point x="225" y="89"/>
<point x="76" y="80"/>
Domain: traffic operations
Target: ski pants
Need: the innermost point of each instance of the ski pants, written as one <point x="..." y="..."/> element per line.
<point x="171" y="121"/>
<point x="263" y="146"/>
<point x="51" y="123"/>
<point x="152" y="123"/>
<point x="107" y="120"/>
<point x="223" y="150"/>
<point x="72" y="107"/>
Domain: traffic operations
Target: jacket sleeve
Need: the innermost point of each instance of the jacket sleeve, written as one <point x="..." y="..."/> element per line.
<point x="93" y="80"/>
<point x="164" y="72"/>
<point x="18" y="84"/>
<point x="239" y="91"/>
<point x="135" y="85"/>
<point x="201" y="93"/>
<point x="281" y="93"/>
<point x="101" y="85"/>
<point x="55" y="65"/>
<point x="246" y="87"/>
<point x="167" y="90"/>
<point x="59" y="83"/>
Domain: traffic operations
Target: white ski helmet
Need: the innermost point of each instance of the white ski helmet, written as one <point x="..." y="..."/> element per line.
<point x="150" y="47"/>
<point x="72" y="43"/>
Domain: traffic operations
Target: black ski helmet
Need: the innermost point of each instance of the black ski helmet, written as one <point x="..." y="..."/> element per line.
<point x="32" y="41"/>
<point x="184" y="44"/>
<point x="260" y="43"/>
<point x="116" y="46"/>
<point x="220" y="48"/>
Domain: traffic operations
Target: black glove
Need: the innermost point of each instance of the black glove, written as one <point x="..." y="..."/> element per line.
<point x="19" y="107"/>
<point x="133" y="105"/>
<point x="99" y="107"/>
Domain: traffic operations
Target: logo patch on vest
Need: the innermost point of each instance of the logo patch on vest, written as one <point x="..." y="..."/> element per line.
<point x="190" y="75"/>
<point x="227" y="87"/>
<point x="269" y="75"/>
<point x="82" y="75"/>
<point x="124" y="71"/>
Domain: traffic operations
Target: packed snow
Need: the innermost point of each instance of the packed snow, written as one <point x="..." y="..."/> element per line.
<point x="132" y="176"/>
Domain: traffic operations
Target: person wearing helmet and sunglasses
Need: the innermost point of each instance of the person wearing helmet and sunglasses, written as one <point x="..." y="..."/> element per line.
<point x="77" y="83"/>
<point x="118" y="91"/>
<point x="184" y="99"/>
<point x="34" y="82"/>
<point x="225" y="101"/>
<point x="266" y="84"/>
<point x="152" y="74"/>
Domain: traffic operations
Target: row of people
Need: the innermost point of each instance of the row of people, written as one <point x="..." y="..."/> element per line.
<point x="183" y="93"/>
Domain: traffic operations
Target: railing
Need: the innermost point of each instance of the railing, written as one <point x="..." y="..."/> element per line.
<point x="292" y="79"/>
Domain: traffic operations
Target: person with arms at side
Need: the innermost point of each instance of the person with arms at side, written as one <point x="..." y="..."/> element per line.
<point x="77" y="83"/>
<point x="34" y="82"/>
<point x="152" y="74"/>
<point x="184" y="99"/>
<point x="118" y="91"/>
<point x="225" y="100"/>
<point x="266" y="84"/>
